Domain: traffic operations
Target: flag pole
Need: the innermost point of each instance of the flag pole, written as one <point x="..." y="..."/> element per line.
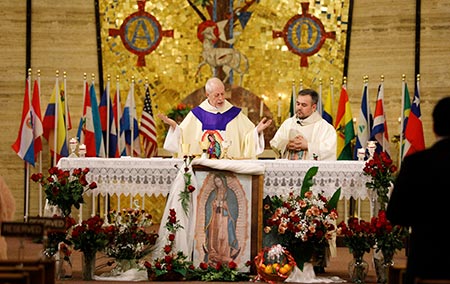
<point x="40" y="152"/>
<point x="382" y="87"/>
<point x="83" y="111"/>
<point x="118" y="107"/>
<point x="66" y="109"/>
<point x="27" y="165"/>
<point x="55" y="132"/>
<point x="366" y="85"/>
<point x="402" y="117"/>
<point x="131" y="118"/>
<point x="293" y="99"/>
<point x="319" y="103"/>
<point x="333" y="115"/>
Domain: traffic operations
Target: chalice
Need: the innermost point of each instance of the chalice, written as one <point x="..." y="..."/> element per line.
<point x="226" y="145"/>
<point x="204" y="146"/>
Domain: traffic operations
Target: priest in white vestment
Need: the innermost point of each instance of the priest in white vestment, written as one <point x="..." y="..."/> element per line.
<point x="216" y="117"/>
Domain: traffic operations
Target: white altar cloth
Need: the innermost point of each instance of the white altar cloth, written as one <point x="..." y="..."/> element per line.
<point x="149" y="176"/>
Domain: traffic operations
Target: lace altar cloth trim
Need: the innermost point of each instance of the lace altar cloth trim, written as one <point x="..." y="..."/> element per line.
<point x="283" y="176"/>
<point x="138" y="176"/>
<point x="135" y="176"/>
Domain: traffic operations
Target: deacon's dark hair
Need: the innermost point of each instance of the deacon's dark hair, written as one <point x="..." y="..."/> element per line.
<point x="441" y="117"/>
<point x="310" y="92"/>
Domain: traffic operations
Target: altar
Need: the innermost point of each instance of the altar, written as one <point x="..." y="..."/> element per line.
<point x="142" y="177"/>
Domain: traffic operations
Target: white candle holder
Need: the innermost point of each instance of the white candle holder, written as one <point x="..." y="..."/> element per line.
<point x="371" y="146"/>
<point x="361" y="154"/>
<point x="82" y="150"/>
<point x="73" y="147"/>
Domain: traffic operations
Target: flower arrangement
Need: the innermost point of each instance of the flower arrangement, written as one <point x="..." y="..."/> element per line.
<point x="303" y="222"/>
<point x="358" y="235"/>
<point x="389" y="238"/>
<point x="89" y="236"/>
<point x="64" y="189"/>
<point x="185" y="195"/>
<point x="274" y="264"/>
<point x="173" y="262"/>
<point x="381" y="169"/>
<point x="127" y="234"/>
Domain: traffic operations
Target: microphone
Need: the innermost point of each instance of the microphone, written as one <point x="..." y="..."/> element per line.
<point x="299" y="121"/>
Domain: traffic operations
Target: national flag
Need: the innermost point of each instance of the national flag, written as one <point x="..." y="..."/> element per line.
<point x="38" y="129"/>
<point x="90" y="128"/>
<point x="129" y="124"/>
<point x="57" y="143"/>
<point x="96" y="123"/>
<point x="65" y="103"/>
<point x="379" y="128"/>
<point x="365" y="122"/>
<point x="406" y="109"/>
<point x="344" y="127"/>
<point x="327" y="113"/>
<point x="148" y="127"/>
<point x="414" y="137"/>
<point x="24" y="145"/>
<point x="108" y="123"/>
<point x="82" y="124"/>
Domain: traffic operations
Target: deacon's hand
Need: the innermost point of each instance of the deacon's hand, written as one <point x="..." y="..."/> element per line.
<point x="298" y="143"/>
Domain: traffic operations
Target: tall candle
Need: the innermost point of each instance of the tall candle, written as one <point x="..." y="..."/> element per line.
<point x="261" y="106"/>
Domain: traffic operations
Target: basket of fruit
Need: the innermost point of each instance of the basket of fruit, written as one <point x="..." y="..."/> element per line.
<point x="274" y="264"/>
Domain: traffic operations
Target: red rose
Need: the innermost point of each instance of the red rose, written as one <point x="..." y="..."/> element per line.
<point x="167" y="248"/>
<point x="203" y="265"/>
<point x="171" y="237"/>
<point x="168" y="259"/>
<point x="232" y="265"/>
<point x="191" y="188"/>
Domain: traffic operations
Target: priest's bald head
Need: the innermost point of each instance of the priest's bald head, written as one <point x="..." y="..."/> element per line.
<point x="215" y="92"/>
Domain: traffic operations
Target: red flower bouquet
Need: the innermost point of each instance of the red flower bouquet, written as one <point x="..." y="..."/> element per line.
<point x="381" y="169"/>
